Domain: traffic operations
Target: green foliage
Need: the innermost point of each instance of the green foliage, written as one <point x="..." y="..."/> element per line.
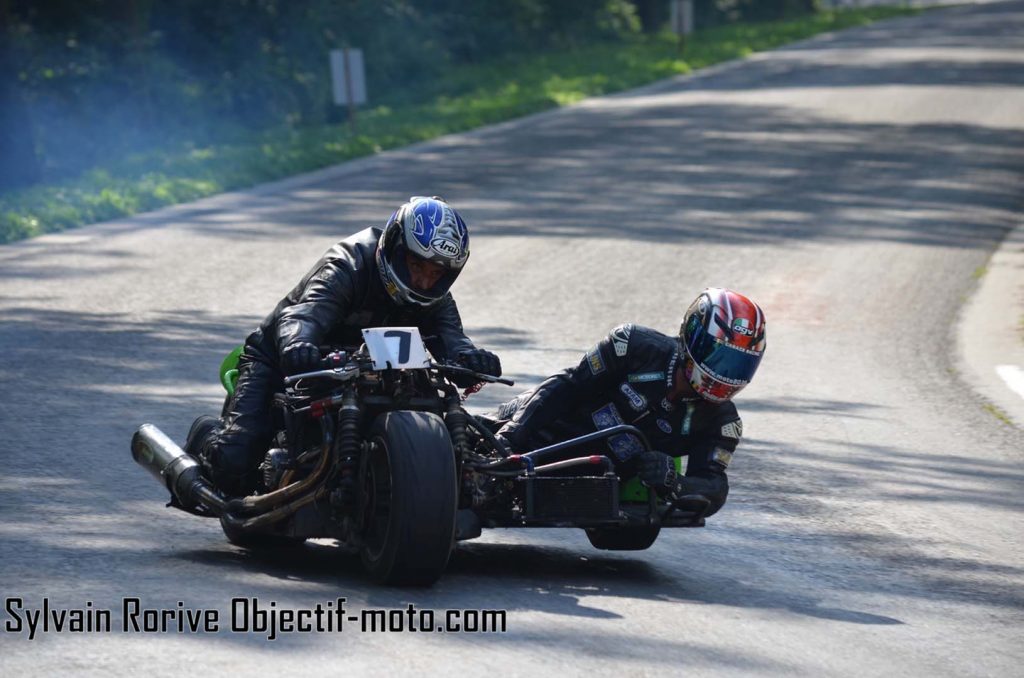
<point x="457" y="99"/>
<point x="105" y="78"/>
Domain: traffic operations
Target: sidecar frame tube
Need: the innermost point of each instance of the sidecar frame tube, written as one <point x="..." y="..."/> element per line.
<point x="604" y="433"/>
<point x="591" y="460"/>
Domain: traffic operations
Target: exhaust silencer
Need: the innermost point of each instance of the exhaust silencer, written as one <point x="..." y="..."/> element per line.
<point x="175" y="470"/>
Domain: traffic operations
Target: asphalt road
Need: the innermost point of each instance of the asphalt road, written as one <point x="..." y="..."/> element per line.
<point x="852" y="184"/>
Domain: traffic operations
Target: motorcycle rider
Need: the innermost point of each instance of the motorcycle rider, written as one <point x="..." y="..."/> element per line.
<point x="396" y="276"/>
<point x="677" y="390"/>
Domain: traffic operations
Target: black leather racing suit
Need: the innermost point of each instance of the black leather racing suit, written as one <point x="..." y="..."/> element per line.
<point x="625" y="379"/>
<point x="338" y="297"/>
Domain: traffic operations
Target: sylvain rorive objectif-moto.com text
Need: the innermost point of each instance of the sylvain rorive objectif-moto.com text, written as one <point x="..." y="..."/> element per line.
<point x="244" y="615"/>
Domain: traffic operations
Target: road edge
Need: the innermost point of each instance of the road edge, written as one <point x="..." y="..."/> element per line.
<point x="990" y="331"/>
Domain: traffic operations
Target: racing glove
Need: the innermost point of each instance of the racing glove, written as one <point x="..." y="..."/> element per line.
<point x="657" y="471"/>
<point x="300" y="356"/>
<point x="481" y="361"/>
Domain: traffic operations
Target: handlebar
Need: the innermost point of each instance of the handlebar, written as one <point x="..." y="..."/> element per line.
<point x="341" y="366"/>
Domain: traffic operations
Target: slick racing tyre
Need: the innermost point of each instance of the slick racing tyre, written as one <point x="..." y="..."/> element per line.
<point x="259" y="541"/>
<point x="408" y="499"/>
<point x="622" y="538"/>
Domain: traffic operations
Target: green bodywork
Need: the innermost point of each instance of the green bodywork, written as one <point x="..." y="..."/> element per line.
<point x="631" y="490"/>
<point x="229" y="370"/>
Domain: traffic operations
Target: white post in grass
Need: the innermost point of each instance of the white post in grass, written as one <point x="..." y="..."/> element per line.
<point x="348" y="80"/>
<point x="681" y="19"/>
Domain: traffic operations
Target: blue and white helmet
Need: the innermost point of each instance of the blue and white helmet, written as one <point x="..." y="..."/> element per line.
<point x="428" y="228"/>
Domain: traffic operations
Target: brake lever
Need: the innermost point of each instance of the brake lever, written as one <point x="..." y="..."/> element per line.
<point x="336" y="373"/>
<point x="479" y="376"/>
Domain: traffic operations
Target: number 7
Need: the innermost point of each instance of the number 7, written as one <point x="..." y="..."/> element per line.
<point x="404" y="344"/>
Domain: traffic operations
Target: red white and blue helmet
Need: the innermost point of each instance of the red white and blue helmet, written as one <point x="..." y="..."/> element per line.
<point x="428" y="228"/>
<point x="722" y="340"/>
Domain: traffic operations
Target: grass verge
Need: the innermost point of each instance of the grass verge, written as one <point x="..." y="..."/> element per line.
<point x="998" y="414"/>
<point x="467" y="97"/>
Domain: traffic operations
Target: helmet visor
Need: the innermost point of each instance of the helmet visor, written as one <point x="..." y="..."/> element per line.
<point x="707" y="386"/>
<point x="722" y="361"/>
<point x="439" y="288"/>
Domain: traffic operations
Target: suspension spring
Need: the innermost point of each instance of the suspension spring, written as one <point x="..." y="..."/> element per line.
<point x="456" y="421"/>
<point x="349" y="442"/>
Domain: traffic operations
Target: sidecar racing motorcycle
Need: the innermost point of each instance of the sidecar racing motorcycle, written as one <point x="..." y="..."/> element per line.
<point x="377" y="451"/>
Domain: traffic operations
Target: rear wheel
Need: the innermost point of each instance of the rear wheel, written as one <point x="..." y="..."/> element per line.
<point x="408" y="497"/>
<point x="630" y="538"/>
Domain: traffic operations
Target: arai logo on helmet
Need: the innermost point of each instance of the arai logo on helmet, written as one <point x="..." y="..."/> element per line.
<point x="448" y="248"/>
<point x="742" y="325"/>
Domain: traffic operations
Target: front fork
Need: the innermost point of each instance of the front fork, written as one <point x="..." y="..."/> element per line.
<point x="455" y="419"/>
<point x="348" y="451"/>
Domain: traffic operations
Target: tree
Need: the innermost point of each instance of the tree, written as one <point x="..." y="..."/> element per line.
<point x="18" y="163"/>
<point x="652" y="14"/>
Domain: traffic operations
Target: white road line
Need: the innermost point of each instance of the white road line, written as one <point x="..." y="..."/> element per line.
<point x="1013" y="376"/>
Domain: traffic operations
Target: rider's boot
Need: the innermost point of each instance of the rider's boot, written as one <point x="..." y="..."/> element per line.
<point x="201" y="429"/>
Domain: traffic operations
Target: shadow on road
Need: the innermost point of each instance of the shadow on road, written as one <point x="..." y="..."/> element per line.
<point x="701" y="173"/>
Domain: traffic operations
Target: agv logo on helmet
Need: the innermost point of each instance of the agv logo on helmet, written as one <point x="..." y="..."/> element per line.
<point x="742" y="325"/>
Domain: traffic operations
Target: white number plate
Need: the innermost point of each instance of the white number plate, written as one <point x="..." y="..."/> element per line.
<point x="396" y="348"/>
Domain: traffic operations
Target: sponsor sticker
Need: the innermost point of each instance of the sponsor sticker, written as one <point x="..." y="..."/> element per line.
<point x="636" y="401"/>
<point x="734" y="429"/>
<point x="620" y="339"/>
<point x="664" y="426"/>
<point x="595" y="361"/>
<point x="721" y="456"/>
<point x="671" y="372"/>
<point x="688" y="419"/>
<point x="624" y="445"/>
<point x="640" y="377"/>
<point x="667" y="405"/>
<point x="389" y="284"/>
<point x="606" y="417"/>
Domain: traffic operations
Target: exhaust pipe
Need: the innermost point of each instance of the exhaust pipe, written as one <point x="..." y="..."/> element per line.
<point x="174" y="469"/>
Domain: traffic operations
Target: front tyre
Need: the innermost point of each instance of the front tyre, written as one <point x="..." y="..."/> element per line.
<point x="630" y="538"/>
<point x="408" y="499"/>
